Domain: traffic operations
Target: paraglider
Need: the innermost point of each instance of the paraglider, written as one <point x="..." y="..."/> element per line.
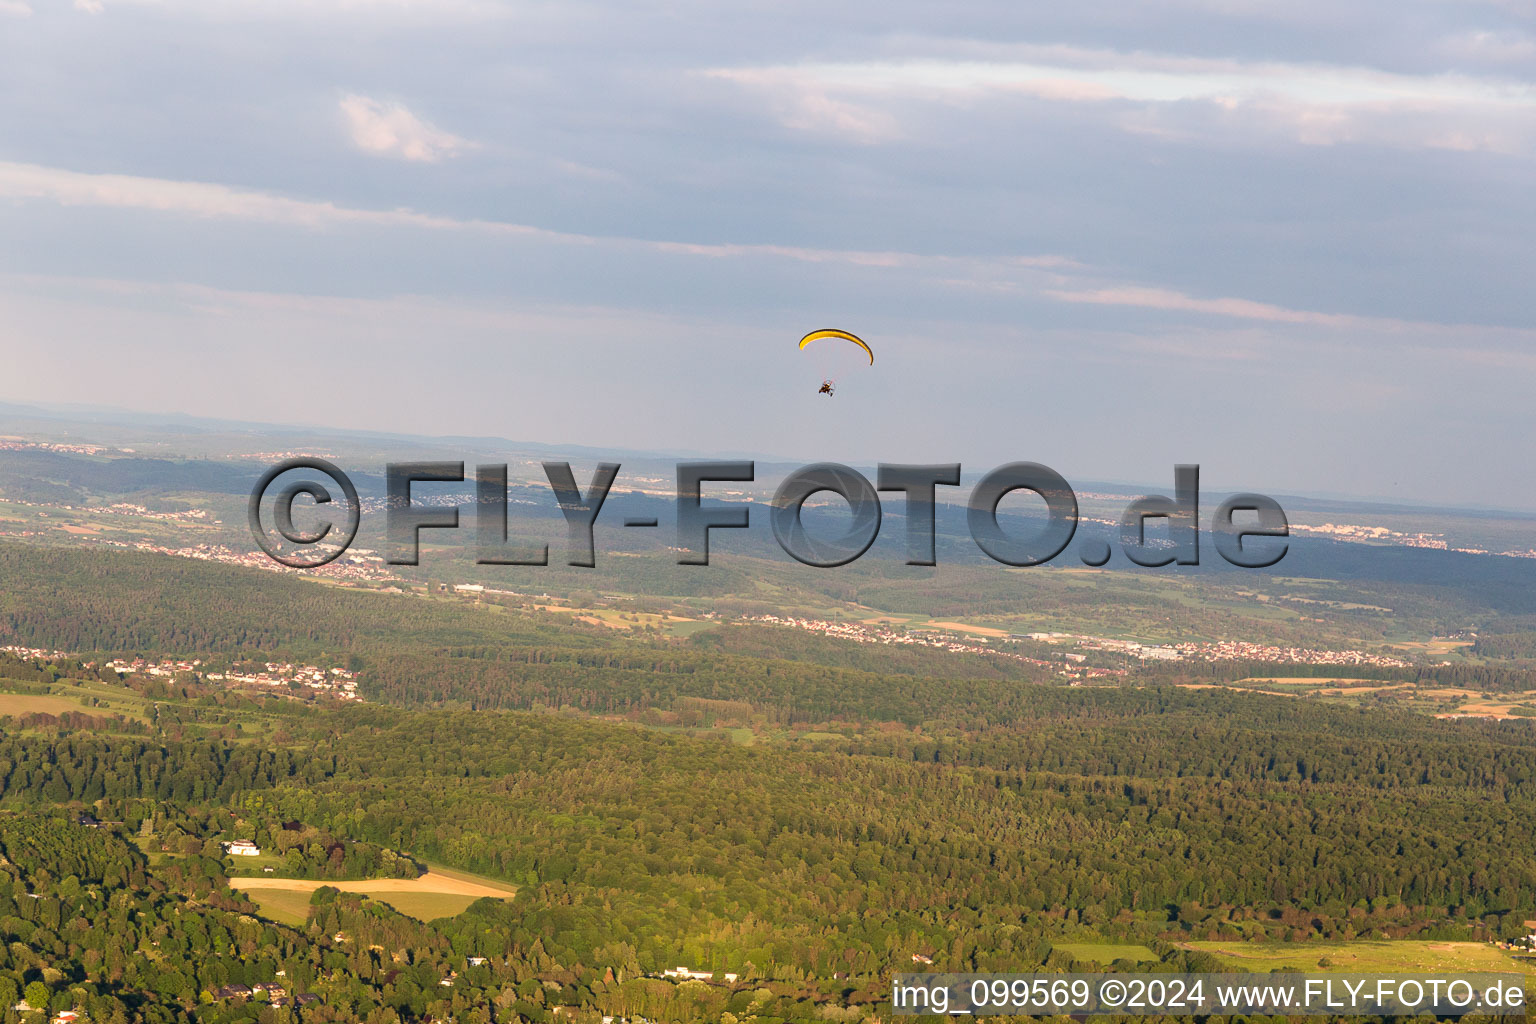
<point x="838" y="348"/>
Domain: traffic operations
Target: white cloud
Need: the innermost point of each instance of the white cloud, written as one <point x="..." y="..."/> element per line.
<point x="1080" y="73"/>
<point x="16" y="8"/>
<point x="89" y="6"/>
<point x="1050" y="277"/>
<point x="804" y="105"/>
<point x="1498" y="338"/>
<point x="202" y="199"/>
<point x="207" y="200"/>
<point x="1169" y="96"/>
<point x="389" y="129"/>
<point x="1243" y="309"/>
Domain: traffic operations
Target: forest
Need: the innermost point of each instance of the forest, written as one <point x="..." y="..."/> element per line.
<point x="812" y="871"/>
<point x="804" y="815"/>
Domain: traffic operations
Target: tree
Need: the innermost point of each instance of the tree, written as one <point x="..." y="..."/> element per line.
<point x="37" y="995"/>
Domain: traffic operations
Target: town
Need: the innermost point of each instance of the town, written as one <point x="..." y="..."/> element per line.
<point x="1225" y="650"/>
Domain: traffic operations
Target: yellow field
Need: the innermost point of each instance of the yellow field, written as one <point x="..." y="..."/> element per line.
<point x="1442" y="702"/>
<point x="1433" y="646"/>
<point x="613" y="618"/>
<point x="1244" y="689"/>
<point x="440" y="892"/>
<point x="1497" y="711"/>
<point x="961" y="627"/>
<point x="115" y="701"/>
<point x="23" y="704"/>
<point x="1314" y="680"/>
<point x="1351" y="691"/>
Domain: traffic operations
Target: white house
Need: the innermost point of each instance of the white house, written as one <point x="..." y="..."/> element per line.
<point x="242" y="848"/>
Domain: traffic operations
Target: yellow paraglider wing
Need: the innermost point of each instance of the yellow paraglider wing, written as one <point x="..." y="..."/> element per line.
<point x="844" y="335"/>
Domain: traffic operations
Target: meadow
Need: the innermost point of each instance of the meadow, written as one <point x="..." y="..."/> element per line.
<point x="440" y="892"/>
<point x="1366" y="956"/>
<point x="1105" y="953"/>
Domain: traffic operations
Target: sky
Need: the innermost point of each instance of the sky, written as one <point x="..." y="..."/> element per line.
<point x="1293" y="243"/>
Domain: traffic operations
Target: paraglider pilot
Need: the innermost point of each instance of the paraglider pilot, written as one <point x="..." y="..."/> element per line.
<point x="826" y="388"/>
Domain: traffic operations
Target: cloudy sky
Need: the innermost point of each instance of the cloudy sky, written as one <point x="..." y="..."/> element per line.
<point x="1292" y="242"/>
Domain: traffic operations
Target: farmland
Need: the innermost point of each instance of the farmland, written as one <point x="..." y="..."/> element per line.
<point x="437" y="893"/>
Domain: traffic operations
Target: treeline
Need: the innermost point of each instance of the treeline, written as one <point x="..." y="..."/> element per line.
<point x="127" y="602"/>
<point x="762" y="642"/>
<point x="1225" y="736"/>
<point x="624" y="681"/>
<point x="1506" y="645"/>
<point x="91" y="769"/>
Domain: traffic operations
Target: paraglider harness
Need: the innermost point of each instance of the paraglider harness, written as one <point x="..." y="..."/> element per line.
<point x="827" y="388"/>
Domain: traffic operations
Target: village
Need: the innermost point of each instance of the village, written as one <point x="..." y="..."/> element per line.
<point x="867" y="634"/>
<point x="334" y="682"/>
<point x="286" y="678"/>
<point x="1225" y="650"/>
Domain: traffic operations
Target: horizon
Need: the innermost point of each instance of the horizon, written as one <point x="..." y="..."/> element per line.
<point x="970" y="470"/>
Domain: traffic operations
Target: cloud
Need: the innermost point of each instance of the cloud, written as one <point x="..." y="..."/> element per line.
<point x="89" y="6"/>
<point x="1043" y="277"/>
<point x="804" y="106"/>
<point x="16" y="8"/>
<point x="207" y="200"/>
<point x="1157" y="77"/>
<point x="1482" y="46"/>
<point x="1174" y="97"/>
<point x="202" y="199"/>
<point x="1169" y="300"/>
<point x="389" y="129"/>
<point x="1166" y="299"/>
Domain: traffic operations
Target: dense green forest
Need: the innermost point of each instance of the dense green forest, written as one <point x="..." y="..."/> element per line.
<point x="811" y="870"/>
<point x="880" y="804"/>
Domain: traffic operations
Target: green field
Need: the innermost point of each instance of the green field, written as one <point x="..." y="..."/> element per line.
<point x="424" y="906"/>
<point x="291" y="908"/>
<point x="254" y="867"/>
<point x="1104" y="952"/>
<point x="1366" y="956"/>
